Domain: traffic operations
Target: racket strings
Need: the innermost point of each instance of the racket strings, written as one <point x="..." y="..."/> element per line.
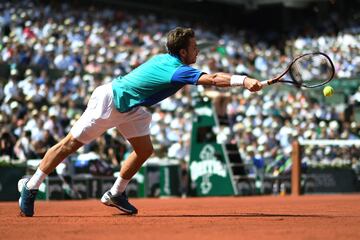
<point x="312" y="70"/>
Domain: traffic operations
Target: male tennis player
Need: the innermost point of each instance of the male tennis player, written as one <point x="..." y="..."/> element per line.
<point x="120" y="104"/>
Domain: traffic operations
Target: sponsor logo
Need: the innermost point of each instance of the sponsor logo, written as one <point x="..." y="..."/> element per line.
<point x="207" y="166"/>
<point x="206" y="111"/>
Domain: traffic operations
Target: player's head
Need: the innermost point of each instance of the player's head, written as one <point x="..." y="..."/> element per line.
<point x="182" y="43"/>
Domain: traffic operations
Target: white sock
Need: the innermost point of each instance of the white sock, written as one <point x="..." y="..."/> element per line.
<point x="36" y="179"/>
<point x="119" y="186"/>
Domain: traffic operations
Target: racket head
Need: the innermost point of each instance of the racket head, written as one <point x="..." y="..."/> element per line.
<point x="311" y="70"/>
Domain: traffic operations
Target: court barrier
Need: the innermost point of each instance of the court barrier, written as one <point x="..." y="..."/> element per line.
<point x="325" y="178"/>
<point x="330" y="180"/>
<point x="156" y="178"/>
<point x="9" y="176"/>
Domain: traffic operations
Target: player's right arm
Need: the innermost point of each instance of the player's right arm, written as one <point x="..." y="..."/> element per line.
<point x="221" y="79"/>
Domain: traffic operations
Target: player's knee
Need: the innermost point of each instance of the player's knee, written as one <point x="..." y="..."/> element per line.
<point x="64" y="148"/>
<point x="147" y="152"/>
<point x="68" y="145"/>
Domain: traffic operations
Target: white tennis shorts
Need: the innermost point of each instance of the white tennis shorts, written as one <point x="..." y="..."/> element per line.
<point x="101" y="114"/>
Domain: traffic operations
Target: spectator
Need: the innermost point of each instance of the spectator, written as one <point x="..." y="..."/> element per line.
<point x="24" y="148"/>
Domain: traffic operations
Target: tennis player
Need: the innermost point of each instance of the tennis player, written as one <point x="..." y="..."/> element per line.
<point x="121" y="104"/>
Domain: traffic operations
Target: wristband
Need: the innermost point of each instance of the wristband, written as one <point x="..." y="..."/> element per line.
<point x="237" y="80"/>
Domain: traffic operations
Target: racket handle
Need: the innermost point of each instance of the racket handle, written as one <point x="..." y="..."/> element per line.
<point x="265" y="83"/>
<point x="269" y="82"/>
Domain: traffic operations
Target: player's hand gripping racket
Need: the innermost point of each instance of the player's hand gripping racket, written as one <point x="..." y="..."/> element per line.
<point x="309" y="70"/>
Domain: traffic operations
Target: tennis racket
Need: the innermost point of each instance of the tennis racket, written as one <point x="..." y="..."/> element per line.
<point x="309" y="70"/>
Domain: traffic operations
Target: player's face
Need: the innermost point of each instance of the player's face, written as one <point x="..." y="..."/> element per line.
<point x="191" y="52"/>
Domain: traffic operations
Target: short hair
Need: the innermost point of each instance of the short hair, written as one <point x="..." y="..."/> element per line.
<point x="178" y="39"/>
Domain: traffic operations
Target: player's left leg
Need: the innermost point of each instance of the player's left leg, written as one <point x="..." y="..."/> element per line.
<point x="28" y="188"/>
<point x="93" y="122"/>
<point x="143" y="149"/>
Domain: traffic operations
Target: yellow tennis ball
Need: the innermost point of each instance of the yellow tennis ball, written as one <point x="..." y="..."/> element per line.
<point x="328" y="91"/>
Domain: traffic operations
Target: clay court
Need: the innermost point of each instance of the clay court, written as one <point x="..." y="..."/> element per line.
<point x="307" y="217"/>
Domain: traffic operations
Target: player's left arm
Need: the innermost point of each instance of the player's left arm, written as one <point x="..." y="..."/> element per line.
<point x="221" y="79"/>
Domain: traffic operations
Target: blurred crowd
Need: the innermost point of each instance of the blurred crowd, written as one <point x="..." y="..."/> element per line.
<point x="57" y="55"/>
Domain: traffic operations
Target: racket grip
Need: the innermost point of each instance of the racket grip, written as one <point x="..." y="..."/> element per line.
<point x="265" y="83"/>
<point x="269" y="82"/>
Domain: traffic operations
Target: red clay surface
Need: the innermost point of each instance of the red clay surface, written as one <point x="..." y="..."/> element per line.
<point x="307" y="217"/>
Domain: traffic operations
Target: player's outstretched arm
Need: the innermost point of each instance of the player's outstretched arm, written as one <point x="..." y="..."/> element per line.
<point x="227" y="80"/>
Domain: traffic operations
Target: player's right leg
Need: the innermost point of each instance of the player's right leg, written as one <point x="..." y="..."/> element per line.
<point x="136" y="130"/>
<point x="116" y="196"/>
